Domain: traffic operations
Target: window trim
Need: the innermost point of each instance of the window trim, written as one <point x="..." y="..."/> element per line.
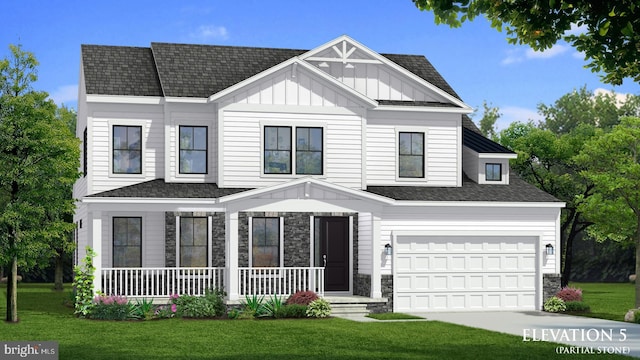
<point x="280" y="236"/>
<point x="139" y="123"/>
<point x="113" y="234"/>
<point x="291" y="149"/>
<point x="209" y="240"/>
<point x="293" y="125"/>
<point x="486" y="173"/>
<point x="206" y="150"/>
<point x="422" y="178"/>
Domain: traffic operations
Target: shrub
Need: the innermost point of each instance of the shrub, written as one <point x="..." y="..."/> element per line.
<point x="636" y="317"/>
<point x="83" y="285"/>
<point x="576" y="306"/>
<point x="207" y="306"/>
<point x="319" y="308"/>
<point x="292" y="311"/>
<point x="570" y="294"/>
<point x="272" y="306"/>
<point x="302" y="298"/>
<point x="144" y="309"/>
<point x="252" y="306"/>
<point x="112" y="308"/>
<point x="554" y="304"/>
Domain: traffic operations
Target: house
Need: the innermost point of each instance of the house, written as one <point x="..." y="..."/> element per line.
<point x="266" y="171"/>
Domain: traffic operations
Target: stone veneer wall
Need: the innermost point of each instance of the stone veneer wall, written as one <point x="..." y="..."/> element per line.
<point x="550" y="285"/>
<point x="217" y="237"/>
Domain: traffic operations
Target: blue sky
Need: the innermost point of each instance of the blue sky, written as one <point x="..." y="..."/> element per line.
<point x="475" y="59"/>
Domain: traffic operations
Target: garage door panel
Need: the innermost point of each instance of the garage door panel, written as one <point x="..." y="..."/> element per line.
<point x="457" y="274"/>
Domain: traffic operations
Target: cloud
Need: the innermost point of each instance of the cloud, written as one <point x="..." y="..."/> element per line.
<point x="620" y="97"/>
<point x="210" y="32"/>
<point x="576" y="30"/>
<point x="522" y="54"/>
<point x="511" y="114"/>
<point x="65" y="94"/>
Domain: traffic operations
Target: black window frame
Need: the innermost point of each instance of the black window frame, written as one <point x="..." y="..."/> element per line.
<point x="127" y="149"/>
<point x="307" y="150"/>
<point x="265" y="150"/>
<point x="113" y="243"/>
<point x="486" y="171"/>
<point x="254" y="240"/>
<point x="182" y="242"/>
<point x="400" y="154"/>
<point x="206" y="149"/>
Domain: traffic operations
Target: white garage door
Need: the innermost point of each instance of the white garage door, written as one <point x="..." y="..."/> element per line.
<point x="464" y="273"/>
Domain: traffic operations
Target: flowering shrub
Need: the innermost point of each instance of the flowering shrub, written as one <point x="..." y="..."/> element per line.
<point x="554" y="304"/>
<point x="319" y="308"/>
<point x="570" y="294"/>
<point x="112" y="308"/>
<point x="302" y="298"/>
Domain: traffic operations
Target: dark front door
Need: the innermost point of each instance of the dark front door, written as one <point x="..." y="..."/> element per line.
<point x="333" y="251"/>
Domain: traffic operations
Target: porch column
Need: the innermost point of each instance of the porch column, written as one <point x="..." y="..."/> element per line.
<point x="376" y="280"/>
<point x="231" y="237"/>
<point x="95" y="221"/>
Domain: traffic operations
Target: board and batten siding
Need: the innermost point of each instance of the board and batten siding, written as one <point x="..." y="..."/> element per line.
<point x="153" y="145"/>
<point x="242" y="149"/>
<point x="483" y="220"/>
<point x="152" y="237"/>
<point x="365" y="239"/>
<point x="442" y="139"/>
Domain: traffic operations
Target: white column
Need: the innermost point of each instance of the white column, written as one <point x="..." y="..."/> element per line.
<point x="231" y="256"/>
<point x="95" y="221"/>
<point x="376" y="280"/>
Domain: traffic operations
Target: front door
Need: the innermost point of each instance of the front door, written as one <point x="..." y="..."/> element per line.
<point x="332" y="251"/>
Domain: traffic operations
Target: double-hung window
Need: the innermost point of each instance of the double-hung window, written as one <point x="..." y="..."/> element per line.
<point x="280" y="157"/>
<point x="127" y="149"/>
<point x="411" y="154"/>
<point x="127" y="242"/>
<point x="193" y="241"/>
<point x="193" y="149"/>
<point x="493" y="172"/>
<point x="265" y="242"/>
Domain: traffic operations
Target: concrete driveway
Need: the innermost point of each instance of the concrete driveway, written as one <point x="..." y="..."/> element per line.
<point x="578" y="335"/>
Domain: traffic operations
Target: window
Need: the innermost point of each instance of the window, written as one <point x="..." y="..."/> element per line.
<point x="411" y="155"/>
<point x="493" y="172"/>
<point x="309" y="151"/>
<point x="265" y="242"/>
<point x="193" y="149"/>
<point x="277" y="150"/>
<point x="127" y="242"/>
<point x="84" y="152"/>
<point x="127" y="149"/>
<point x="193" y="241"/>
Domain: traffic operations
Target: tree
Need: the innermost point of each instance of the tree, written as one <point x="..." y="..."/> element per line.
<point x="609" y="40"/>
<point x="612" y="163"/>
<point x="488" y="122"/>
<point x="38" y="157"/>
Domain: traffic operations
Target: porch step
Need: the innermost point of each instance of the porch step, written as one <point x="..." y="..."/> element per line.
<point x="349" y="310"/>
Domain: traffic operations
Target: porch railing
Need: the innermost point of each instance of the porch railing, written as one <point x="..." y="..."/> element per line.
<point x="280" y="281"/>
<point x="160" y="282"/>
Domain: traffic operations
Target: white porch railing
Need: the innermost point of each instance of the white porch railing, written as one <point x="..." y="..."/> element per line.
<point x="160" y="282"/>
<point x="280" y="281"/>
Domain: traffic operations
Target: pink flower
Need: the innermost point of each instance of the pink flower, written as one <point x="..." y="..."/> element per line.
<point x="174" y="296"/>
<point x="174" y="308"/>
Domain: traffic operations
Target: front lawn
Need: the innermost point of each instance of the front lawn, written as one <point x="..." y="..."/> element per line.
<point x="44" y="318"/>
<point x="607" y="300"/>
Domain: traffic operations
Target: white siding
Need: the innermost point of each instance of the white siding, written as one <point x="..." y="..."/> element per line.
<point x="365" y="239"/>
<point x="474" y="220"/>
<point x="470" y="163"/>
<point x="442" y="144"/>
<point x="83" y="240"/>
<point x="242" y="149"/>
<point x="152" y="121"/>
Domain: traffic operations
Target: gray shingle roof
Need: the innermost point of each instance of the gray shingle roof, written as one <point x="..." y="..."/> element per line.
<point x="481" y="144"/>
<point x="158" y="188"/>
<point x="120" y="70"/>
<point x="517" y="191"/>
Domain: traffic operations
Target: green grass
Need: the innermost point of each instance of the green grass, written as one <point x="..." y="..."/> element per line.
<point x="393" y="316"/>
<point x="609" y="301"/>
<point x="42" y="318"/>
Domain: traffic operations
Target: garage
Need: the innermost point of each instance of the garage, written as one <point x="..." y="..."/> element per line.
<point x="464" y="273"/>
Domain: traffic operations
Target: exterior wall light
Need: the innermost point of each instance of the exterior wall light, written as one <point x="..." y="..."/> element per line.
<point x="388" y="249"/>
<point x="550" y="249"/>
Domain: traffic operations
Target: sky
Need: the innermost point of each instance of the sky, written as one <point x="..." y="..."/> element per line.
<point x="475" y="59"/>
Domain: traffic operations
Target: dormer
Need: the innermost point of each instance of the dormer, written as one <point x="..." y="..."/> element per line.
<point x="484" y="161"/>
